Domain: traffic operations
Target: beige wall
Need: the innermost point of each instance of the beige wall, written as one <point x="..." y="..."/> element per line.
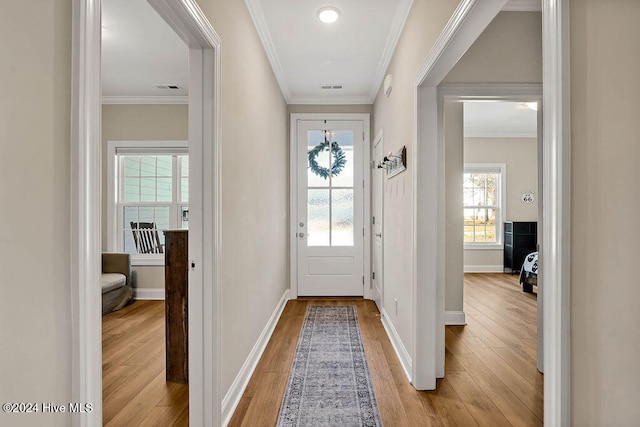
<point x="255" y="193"/>
<point x="35" y="307"/>
<point x="605" y="242"/>
<point x="453" y="174"/>
<point x="509" y="50"/>
<point x="140" y="123"/>
<point x="521" y="158"/>
<point x="394" y="115"/>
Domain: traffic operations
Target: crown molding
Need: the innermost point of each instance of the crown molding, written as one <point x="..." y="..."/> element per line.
<point x="484" y="133"/>
<point x="121" y="100"/>
<point x="259" y="21"/>
<point x="335" y="100"/>
<point x="523" y="6"/>
<point x="397" y="25"/>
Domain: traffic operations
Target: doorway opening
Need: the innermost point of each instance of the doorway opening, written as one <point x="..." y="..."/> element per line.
<point x="189" y="22"/>
<point x="145" y="81"/>
<point x="492" y="182"/>
<point x="466" y="24"/>
<point x="330" y="205"/>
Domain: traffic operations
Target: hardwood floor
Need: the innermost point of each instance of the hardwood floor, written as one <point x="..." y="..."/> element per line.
<point x="134" y="390"/>
<point x="491" y="377"/>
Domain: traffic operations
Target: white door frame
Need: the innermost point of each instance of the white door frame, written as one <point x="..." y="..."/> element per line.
<point x="468" y="21"/>
<point x="379" y="139"/>
<point x="293" y="192"/>
<point x="513" y="92"/>
<point x="190" y="23"/>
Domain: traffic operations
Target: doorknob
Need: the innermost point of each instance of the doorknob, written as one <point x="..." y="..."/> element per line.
<point x="301" y="235"/>
<point x="378" y="234"/>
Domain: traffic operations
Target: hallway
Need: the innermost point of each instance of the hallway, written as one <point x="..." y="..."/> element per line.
<point x="491" y="376"/>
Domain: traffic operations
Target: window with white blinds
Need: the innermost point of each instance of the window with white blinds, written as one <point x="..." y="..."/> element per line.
<point x="150" y="193"/>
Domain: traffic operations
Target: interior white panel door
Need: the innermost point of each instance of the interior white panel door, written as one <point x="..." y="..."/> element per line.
<point x="330" y="223"/>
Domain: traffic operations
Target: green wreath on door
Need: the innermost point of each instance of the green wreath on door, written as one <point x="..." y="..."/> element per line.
<point x="339" y="159"/>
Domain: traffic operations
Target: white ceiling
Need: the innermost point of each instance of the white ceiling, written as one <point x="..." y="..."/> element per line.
<point x="140" y="50"/>
<point x="499" y="119"/>
<point x="353" y="52"/>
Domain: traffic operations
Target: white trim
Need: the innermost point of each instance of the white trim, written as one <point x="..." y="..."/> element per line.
<point x="85" y="259"/>
<point x="334" y="100"/>
<point x="293" y="193"/>
<point x="144" y="100"/>
<point x="556" y="207"/>
<point x="255" y="10"/>
<point x="428" y="300"/>
<point x="204" y="307"/>
<point x="239" y="385"/>
<point x="190" y="23"/>
<point x="395" y="31"/>
<point x="491" y="91"/>
<point x="379" y="139"/>
<point x="483" y="268"/>
<point x="396" y="342"/>
<point x="455" y="318"/>
<point x="153" y="294"/>
<point x="523" y="6"/>
<point x="468" y="21"/>
<point x="488" y="133"/>
<point x="466" y="24"/>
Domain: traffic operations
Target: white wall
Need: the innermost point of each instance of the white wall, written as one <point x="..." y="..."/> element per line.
<point x="140" y="123"/>
<point x="605" y="241"/>
<point x="255" y="193"/>
<point x="521" y="158"/>
<point x="35" y="307"/>
<point x="394" y="115"/>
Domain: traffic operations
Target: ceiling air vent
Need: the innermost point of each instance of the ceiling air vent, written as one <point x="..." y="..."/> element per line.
<point x="330" y="87"/>
<point x="167" y="86"/>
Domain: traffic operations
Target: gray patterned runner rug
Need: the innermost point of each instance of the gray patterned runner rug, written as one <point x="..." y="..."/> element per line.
<point x="329" y="384"/>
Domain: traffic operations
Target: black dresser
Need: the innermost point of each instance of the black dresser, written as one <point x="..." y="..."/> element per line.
<point x="520" y="239"/>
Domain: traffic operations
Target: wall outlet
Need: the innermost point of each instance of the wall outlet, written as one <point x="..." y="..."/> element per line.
<point x="396" y="302"/>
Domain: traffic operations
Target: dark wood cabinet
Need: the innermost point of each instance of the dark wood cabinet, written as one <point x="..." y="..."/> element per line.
<point x="176" y="273"/>
<point x="520" y="239"/>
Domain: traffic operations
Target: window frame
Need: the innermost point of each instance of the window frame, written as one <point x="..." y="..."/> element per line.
<point x="114" y="217"/>
<point x="501" y="205"/>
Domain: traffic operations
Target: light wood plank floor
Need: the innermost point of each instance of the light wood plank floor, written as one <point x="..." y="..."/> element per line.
<point x="491" y="377"/>
<point x="134" y="390"/>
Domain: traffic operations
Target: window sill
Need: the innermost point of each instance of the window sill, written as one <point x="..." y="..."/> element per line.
<point x="139" y="260"/>
<point x="483" y="246"/>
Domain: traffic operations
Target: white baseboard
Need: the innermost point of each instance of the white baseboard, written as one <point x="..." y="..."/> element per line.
<point x="233" y="396"/>
<point x="398" y="346"/>
<point x="483" y="268"/>
<point x="454" y="318"/>
<point x="148" y="294"/>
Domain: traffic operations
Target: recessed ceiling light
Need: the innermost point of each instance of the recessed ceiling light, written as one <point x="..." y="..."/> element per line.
<point x="328" y="14"/>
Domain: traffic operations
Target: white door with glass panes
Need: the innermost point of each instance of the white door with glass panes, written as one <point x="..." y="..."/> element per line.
<point x="329" y="226"/>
